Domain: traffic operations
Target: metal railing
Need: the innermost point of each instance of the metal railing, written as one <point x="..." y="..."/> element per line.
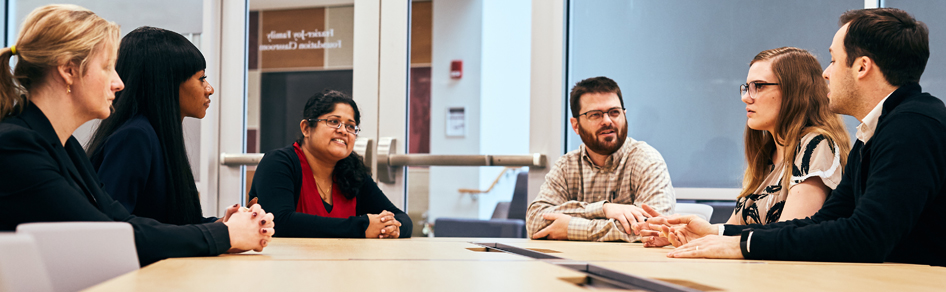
<point x="389" y="161"/>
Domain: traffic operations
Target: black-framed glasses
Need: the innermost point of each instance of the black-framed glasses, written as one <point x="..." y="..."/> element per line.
<point x="595" y="115"/>
<point x="337" y="124"/>
<point x="752" y="87"/>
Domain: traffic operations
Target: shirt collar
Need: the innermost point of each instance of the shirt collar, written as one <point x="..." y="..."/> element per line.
<point x="866" y="129"/>
<point x="609" y="162"/>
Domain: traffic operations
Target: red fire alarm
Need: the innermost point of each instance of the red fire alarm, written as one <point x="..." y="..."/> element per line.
<point x="456" y="69"/>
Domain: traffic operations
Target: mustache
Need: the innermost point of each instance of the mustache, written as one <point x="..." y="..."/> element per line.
<point x="608" y="128"/>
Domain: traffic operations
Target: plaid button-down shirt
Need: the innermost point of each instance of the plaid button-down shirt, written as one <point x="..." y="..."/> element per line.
<point x="635" y="174"/>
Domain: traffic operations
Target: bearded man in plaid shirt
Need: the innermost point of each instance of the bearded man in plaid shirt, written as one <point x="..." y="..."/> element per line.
<point x="596" y="192"/>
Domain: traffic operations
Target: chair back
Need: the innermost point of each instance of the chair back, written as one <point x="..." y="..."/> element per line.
<point x="78" y="255"/>
<point x="520" y="197"/>
<point x="21" y="266"/>
<point x="702" y="210"/>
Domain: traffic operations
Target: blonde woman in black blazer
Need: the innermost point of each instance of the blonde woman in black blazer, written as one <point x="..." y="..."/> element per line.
<point x="65" y="76"/>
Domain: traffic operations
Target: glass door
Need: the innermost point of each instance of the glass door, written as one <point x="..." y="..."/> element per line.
<point x="468" y="96"/>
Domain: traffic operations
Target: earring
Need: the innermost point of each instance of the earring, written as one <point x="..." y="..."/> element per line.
<point x="68" y="89"/>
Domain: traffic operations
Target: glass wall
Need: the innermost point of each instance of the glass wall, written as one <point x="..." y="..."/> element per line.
<point x="931" y="13"/>
<point x="679" y="65"/>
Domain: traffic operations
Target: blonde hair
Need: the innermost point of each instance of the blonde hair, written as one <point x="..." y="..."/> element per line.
<point x="51" y="35"/>
<point x="804" y="110"/>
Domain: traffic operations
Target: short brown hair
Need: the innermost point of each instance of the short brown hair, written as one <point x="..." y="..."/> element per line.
<point x="598" y="84"/>
<point x="898" y="43"/>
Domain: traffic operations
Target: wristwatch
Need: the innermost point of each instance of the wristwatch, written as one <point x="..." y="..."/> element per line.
<point x="744" y="242"/>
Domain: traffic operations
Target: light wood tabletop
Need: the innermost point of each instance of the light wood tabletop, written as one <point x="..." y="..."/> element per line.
<point x="345" y="275"/>
<point x="456" y="264"/>
<point x="370" y="249"/>
<point x="740" y="276"/>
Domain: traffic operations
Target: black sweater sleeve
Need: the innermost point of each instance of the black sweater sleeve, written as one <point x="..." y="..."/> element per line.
<point x="373" y="201"/>
<point x="34" y="187"/>
<point x="275" y="185"/>
<point x="905" y="170"/>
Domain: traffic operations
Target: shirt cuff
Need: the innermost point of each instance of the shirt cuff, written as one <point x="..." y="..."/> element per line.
<point x="579" y="229"/>
<point x="595" y="210"/>
<point x="722" y="229"/>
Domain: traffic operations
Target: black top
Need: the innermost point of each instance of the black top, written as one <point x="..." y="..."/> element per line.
<point x="131" y="165"/>
<point x="278" y="184"/>
<point x="42" y="181"/>
<point x="890" y="203"/>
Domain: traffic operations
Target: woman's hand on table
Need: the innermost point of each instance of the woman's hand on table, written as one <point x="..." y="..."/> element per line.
<point x="383" y="226"/>
<point x="234" y="209"/>
<point x="250" y="229"/>
<point x="709" y="247"/>
<point x="678" y="230"/>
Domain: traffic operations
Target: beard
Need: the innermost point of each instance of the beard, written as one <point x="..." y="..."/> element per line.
<point x="609" y="145"/>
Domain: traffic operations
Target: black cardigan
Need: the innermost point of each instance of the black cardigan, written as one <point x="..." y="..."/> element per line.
<point x="42" y="181"/>
<point x="891" y="200"/>
<point x="278" y="183"/>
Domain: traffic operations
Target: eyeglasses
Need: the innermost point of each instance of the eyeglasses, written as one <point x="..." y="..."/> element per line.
<point x="337" y="124"/>
<point x="752" y="88"/>
<point x="595" y="115"/>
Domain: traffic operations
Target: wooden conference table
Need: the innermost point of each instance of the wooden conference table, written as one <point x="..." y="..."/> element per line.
<point x="456" y="264"/>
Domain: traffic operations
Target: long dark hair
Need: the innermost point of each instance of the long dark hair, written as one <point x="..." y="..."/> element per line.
<point x="153" y="63"/>
<point x="349" y="173"/>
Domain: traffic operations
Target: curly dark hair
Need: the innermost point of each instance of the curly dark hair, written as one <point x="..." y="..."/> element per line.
<point x="349" y="173"/>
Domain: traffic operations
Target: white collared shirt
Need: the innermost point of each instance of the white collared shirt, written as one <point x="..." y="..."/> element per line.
<point x="866" y="129"/>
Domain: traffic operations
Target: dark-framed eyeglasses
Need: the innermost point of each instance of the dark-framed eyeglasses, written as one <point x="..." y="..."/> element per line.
<point x="595" y="115"/>
<point x="337" y="124"/>
<point x="752" y="87"/>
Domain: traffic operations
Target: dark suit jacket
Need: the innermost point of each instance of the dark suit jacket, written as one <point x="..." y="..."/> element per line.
<point x="42" y="181"/>
<point x="278" y="185"/>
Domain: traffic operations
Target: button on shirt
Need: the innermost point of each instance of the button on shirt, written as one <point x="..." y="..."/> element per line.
<point x="636" y="174"/>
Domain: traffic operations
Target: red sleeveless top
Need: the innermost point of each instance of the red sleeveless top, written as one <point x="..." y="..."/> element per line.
<point x="310" y="202"/>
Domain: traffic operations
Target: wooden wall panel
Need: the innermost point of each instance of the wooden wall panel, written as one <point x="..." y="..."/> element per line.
<point x="276" y="23"/>
<point x="421" y="32"/>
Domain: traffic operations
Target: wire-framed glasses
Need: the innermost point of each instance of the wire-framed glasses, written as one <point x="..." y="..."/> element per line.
<point x="337" y="124"/>
<point x="752" y="87"/>
<point x="595" y="115"/>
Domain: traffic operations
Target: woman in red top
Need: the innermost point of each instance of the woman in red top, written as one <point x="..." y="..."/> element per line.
<point x="318" y="187"/>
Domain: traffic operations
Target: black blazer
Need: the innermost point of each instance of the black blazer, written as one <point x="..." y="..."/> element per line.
<point x="278" y="185"/>
<point x="42" y="181"/>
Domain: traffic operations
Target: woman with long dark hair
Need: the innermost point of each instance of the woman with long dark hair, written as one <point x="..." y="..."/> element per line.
<point x="318" y="187"/>
<point x="64" y="77"/>
<point x="139" y="150"/>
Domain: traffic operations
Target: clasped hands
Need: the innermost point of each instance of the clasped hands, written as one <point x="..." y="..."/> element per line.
<point x="250" y="228"/>
<point x="383" y="226"/>
<point x="692" y="236"/>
